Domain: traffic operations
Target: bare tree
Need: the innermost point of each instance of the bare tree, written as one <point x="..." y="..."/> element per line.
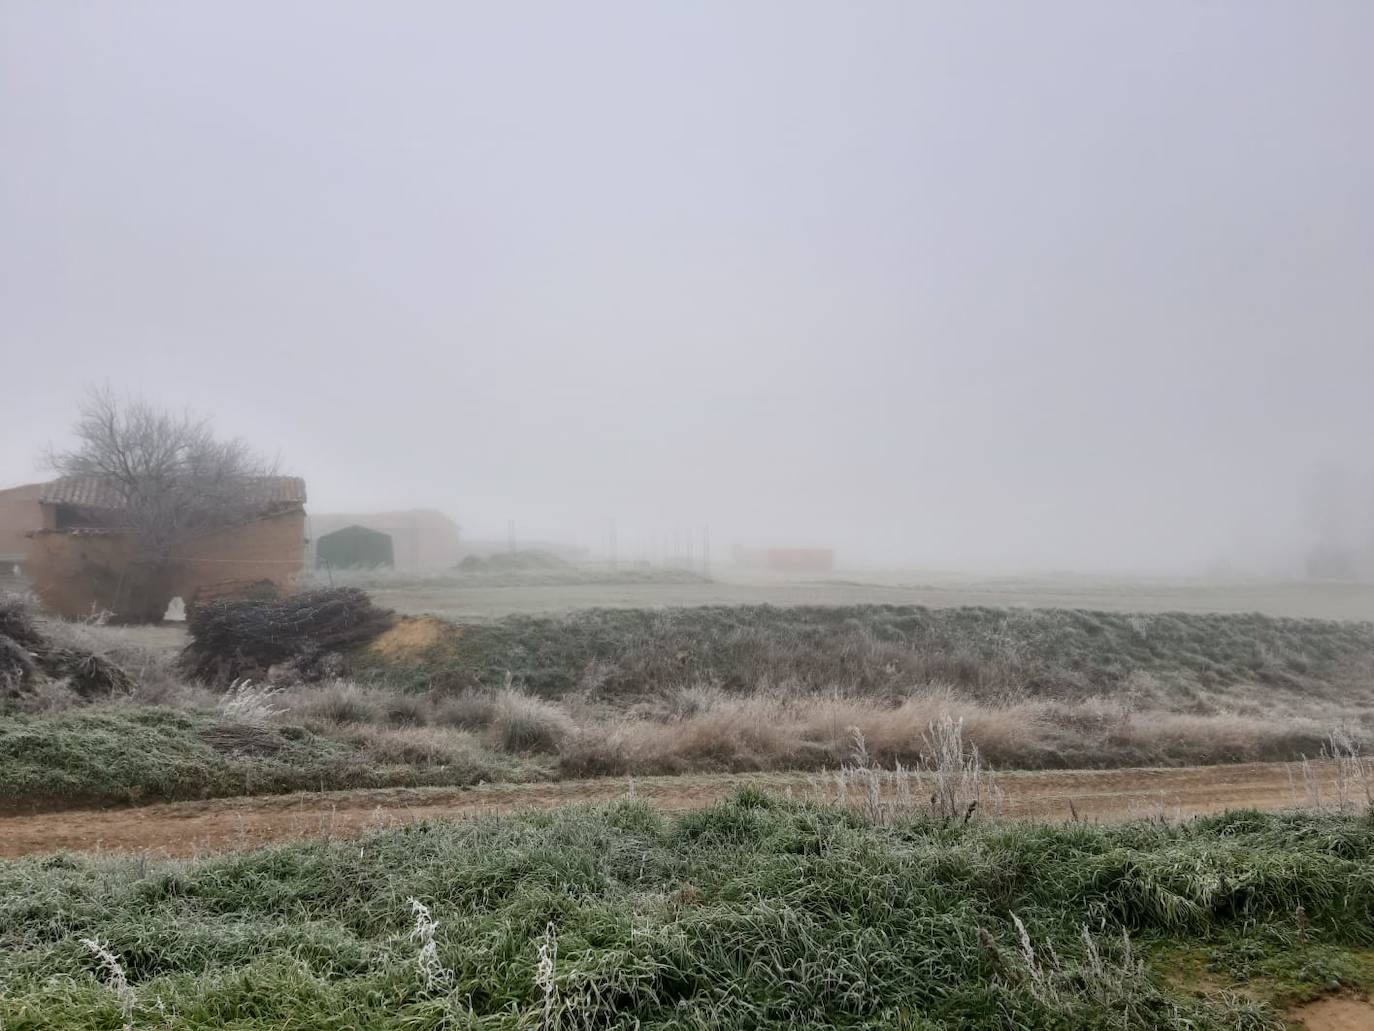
<point x="173" y="477"/>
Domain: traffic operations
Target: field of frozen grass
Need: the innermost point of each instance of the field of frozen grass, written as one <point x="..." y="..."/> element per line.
<point x="472" y="598"/>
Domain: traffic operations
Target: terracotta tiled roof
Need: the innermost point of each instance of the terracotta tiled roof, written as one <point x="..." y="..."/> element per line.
<point x="98" y="492"/>
<point x="23" y="492"/>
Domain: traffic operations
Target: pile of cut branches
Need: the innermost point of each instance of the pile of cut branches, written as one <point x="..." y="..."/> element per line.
<point x="28" y="657"/>
<point x="309" y="634"/>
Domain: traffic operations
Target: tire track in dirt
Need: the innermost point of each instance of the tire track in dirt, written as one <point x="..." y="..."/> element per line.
<point x="200" y="828"/>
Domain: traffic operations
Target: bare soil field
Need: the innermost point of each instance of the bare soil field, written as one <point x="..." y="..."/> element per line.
<point x="198" y="828"/>
<point x="1292" y="598"/>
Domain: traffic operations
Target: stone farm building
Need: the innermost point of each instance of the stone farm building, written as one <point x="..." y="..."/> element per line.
<point x="80" y="557"/>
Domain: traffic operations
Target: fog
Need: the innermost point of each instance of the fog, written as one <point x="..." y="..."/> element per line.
<point x="992" y="286"/>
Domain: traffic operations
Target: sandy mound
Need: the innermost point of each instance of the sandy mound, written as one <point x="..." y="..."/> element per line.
<point x="412" y="637"/>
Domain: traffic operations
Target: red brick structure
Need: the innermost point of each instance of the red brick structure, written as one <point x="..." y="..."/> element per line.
<point x="83" y="559"/>
<point x="800" y="560"/>
<point x="787" y="560"/>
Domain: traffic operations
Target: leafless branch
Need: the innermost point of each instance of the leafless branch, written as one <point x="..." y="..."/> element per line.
<point x="175" y="478"/>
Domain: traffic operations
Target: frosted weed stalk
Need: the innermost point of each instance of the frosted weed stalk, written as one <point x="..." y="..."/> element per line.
<point x="960" y="779"/>
<point x="246" y="702"/>
<point x="951" y="776"/>
<point x="544" y="973"/>
<point x="1350" y="772"/>
<point x="115" y="980"/>
<point x="1054" y="981"/>
<point x="1351" y="769"/>
<point x="434" y="975"/>
<point x="865" y="767"/>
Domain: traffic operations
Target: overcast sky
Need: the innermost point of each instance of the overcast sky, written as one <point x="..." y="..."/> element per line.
<point x="1008" y="285"/>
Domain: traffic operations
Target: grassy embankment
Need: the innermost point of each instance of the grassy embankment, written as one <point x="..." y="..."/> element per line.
<point x="756" y="913"/>
<point x="1182" y="658"/>
<point x="124" y="754"/>
<point x="634" y="691"/>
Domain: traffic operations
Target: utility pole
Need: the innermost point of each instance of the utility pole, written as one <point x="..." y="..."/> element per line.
<point x="706" y="550"/>
<point x="510" y="536"/>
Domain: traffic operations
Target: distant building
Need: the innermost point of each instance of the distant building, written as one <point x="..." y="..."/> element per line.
<point x="801" y="560"/>
<point x="83" y="557"/>
<point x="423" y="540"/>
<point x="787" y="560"/>
<point x="355" y="547"/>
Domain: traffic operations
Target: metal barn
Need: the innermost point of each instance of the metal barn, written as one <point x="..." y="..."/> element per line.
<point x="354" y="547"/>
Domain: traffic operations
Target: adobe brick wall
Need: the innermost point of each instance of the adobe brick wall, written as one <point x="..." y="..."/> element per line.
<point x="269" y="548"/>
<point x="20" y="515"/>
<point x="74" y="574"/>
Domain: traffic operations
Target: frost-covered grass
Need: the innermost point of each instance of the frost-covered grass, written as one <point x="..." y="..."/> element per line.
<point x="755" y="913"/>
<point x="641" y="692"/>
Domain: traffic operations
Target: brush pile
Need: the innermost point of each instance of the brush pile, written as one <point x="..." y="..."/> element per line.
<point x="28" y="657"/>
<point x="305" y="636"/>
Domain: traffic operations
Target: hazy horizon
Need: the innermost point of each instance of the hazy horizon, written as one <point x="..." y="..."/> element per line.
<point x="1072" y="286"/>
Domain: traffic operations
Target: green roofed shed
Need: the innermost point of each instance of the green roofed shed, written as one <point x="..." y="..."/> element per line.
<point x="354" y="547"/>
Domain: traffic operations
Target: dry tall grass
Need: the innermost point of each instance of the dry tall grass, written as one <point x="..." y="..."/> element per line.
<point x="703" y="729"/>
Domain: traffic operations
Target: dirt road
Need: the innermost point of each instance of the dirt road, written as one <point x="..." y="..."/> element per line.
<point x="197" y="828"/>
